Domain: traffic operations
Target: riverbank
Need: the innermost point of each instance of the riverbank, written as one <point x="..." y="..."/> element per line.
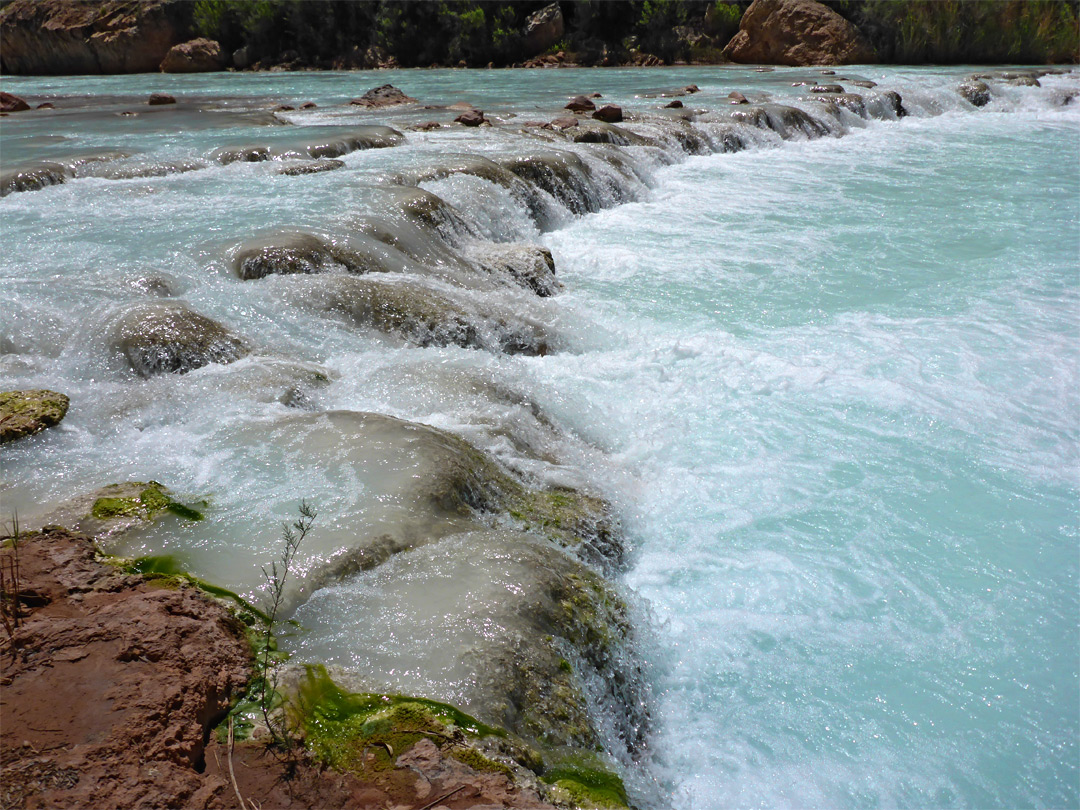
<point x="57" y="37"/>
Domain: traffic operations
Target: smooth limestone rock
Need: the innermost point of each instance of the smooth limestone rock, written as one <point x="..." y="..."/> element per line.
<point x="35" y="178"/>
<point x="57" y="37"/>
<point x="528" y="638"/>
<point x="292" y="252"/>
<point x="975" y="92"/>
<point x="528" y="266"/>
<point x="24" y="413"/>
<point x="419" y="314"/>
<point x="170" y="338"/>
<point x="563" y="175"/>
<point x="194" y="56"/>
<point x="336" y="142"/>
<point x="796" y="32"/>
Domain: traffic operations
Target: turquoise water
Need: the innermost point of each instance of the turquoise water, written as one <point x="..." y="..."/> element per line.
<point x="833" y="386"/>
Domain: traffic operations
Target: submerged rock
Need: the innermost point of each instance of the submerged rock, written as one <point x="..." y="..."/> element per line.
<point x="195" y="56"/>
<point x="293" y="252"/>
<point x="529" y="266"/>
<point x="796" y="32"/>
<point x="975" y="92"/>
<point x="114" y="509"/>
<point x="34" y="178"/>
<point x="24" y="413"/>
<point x="422" y="315"/>
<point x="164" y="338"/>
<point x="315" y="167"/>
<point x="335" y="143"/>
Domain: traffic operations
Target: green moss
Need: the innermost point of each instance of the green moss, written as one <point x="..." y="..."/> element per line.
<point x="152" y="499"/>
<point x="589" y="786"/>
<point x="478" y="762"/>
<point x="167" y="566"/>
<point x="109" y="508"/>
<point x="364" y="732"/>
<point x="566" y="516"/>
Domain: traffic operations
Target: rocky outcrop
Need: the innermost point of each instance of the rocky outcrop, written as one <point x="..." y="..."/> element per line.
<point x="57" y="37"/>
<point x="471" y="118"/>
<point x="796" y="32"/>
<point x="10" y="103"/>
<point x="385" y="96"/>
<point x="164" y="338"/>
<point x="543" y="29"/>
<point x="23" y="413"/>
<point x="194" y="56"/>
<point x="112" y="683"/>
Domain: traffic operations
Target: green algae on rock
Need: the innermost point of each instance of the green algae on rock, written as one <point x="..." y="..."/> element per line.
<point x="147" y="504"/>
<point x="24" y="413"/>
<point x="586" y="785"/>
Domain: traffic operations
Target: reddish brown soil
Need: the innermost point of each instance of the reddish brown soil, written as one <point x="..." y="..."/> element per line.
<point x="110" y="687"/>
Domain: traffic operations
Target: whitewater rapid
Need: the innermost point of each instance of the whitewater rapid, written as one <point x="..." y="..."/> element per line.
<point x="830" y="385"/>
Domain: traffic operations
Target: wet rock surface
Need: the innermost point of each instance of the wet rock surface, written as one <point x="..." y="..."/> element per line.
<point x="12" y="103"/>
<point x="24" y="413"/>
<point x="170" y="338"/>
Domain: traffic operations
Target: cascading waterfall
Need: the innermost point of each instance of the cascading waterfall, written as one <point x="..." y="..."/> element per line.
<point x="713" y="438"/>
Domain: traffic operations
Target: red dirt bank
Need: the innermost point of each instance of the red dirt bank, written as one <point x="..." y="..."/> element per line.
<point x="111" y="685"/>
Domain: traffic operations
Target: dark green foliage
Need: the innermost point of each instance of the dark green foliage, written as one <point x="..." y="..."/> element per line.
<point x="345" y="33"/>
<point x="968" y="31"/>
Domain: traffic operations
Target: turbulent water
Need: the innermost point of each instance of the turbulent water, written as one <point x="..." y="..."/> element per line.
<point x="828" y="372"/>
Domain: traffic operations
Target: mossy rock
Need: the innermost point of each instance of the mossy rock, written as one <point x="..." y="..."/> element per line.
<point x="574" y="520"/>
<point x="138" y="500"/>
<point x="587" y="784"/>
<point x="170" y="338"/>
<point x="364" y="732"/>
<point x="23" y="413"/>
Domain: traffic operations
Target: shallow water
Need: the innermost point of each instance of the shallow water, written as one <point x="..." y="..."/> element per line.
<point x="831" y="384"/>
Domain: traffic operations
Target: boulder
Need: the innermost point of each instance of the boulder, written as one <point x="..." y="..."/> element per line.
<point x="865" y="83"/>
<point x="609" y="113"/>
<point x="528" y="266"/>
<point x="975" y="92"/>
<point x="420" y="315"/>
<point x="48" y="105"/>
<point x="735" y="97"/>
<point x="195" y="56"/>
<point x="543" y="29"/>
<point x="10" y="103"/>
<point x="564" y="123"/>
<point x="34" y="178"/>
<point x="471" y="118"/>
<point x="157" y="99"/>
<point x="796" y="32"/>
<point x="673" y="105"/>
<point x="163" y="338"/>
<point x="385" y="96"/>
<point x="23" y="413"/>
<point x="59" y="37"/>
<point x="580" y="104"/>
<point x="827" y="88"/>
